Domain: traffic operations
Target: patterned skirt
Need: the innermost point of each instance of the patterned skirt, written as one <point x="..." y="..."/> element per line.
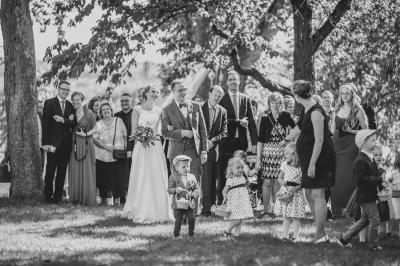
<point x="271" y="160"/>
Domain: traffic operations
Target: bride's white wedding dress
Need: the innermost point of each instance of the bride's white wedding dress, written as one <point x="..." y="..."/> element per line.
<point x="148" y="200"/>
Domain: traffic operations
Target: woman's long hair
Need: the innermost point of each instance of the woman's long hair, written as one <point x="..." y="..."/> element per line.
<point x="355" y="107"/>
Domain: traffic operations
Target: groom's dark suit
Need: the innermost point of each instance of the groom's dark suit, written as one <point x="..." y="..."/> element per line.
<point x="173" y="122"/>
<point x="217" y="133"/>
<point x="58" y="135"/>
<point x="237" y="135"/>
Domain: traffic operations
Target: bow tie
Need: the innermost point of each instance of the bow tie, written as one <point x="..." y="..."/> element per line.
<point x="182" y="105"/>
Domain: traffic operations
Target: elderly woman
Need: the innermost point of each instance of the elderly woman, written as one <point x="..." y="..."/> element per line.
<point x="111" y="135"/>
<point x="274" y="127"/>
<point x="327" y="104"/>
<point x="82" y="165"/>
<point x="350" y="118"/>
<point x="316" y="154"/>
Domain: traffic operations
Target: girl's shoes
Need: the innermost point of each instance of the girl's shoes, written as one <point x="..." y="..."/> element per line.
<point x="226" y="234"/>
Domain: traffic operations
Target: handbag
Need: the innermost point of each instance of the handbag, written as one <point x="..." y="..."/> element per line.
<point x="284" y="195"/>
<point x="119" y="154"/>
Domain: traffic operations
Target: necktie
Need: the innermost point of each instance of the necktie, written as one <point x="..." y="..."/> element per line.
<point x="235" y="102"/>
<point x="62" y="107"/>
<point x="182" y="105"/>
<point x="212" y="115"/>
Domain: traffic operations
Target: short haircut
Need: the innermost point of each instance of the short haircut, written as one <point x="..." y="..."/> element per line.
<point x="233" y="72"/>
<point x="274" y="97"/>
<point x="126" y="94"/>
<point x="101" y="107"/>
<point x="302" y="88"/>
<point x="61" y="82"/>
<point x="216" y="87"/>
<point x="286" y="100"/>
<point x="175" y="82"/>
<point x="76" y="93"/>
<point x="328" y="93"/>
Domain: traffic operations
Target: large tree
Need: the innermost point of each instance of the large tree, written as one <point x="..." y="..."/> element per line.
<point x="20" y="99"/>
<point x="216" y="34"/>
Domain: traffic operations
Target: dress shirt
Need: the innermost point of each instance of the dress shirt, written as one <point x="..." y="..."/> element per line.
<point x="61" y="106"/>
<point x="183" y="110"/>
<point x="237" y="110"/>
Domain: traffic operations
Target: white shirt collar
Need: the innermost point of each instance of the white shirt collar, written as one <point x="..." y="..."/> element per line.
<point x="231" y="93"/>
<point x="210" y="106"/>
<point x="60" y="100"/>
<point x="370" y="155"/>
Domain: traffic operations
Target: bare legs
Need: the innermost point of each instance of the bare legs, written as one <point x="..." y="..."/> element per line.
<point x="234" y="227"/>
<point x="316" y="199"/>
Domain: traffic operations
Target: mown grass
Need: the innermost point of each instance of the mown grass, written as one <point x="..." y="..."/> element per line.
<point x="37" y="234"/>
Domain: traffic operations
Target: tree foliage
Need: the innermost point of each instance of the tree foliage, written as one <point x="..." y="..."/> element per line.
<point x="365" y="50"/>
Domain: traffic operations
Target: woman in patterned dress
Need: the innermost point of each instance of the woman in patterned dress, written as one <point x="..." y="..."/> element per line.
<point x="273" y="129"/>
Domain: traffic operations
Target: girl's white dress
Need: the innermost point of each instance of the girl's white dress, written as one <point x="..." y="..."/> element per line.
<point x="297" y="207"/>
<point x="238" y="200"/>
<point x="148" y="200"/>
<point x="395" y="175"/>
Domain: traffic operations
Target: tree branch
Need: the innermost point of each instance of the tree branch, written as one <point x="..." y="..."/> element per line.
<point x="219" y="32"/>
<point x="320" y="35"/>
<point x="257" y="75"/>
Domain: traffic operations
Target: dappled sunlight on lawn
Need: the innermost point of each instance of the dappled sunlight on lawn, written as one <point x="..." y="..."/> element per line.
<point x="76" y="235"/>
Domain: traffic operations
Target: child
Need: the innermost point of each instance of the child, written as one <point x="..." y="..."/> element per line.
<point x="249" y="174"/>
<point x="368" y="180"/>
<point x="183" y="185"/>
<point x="383" y="206"/>
<point x="236" y="196"/>
<point x="290" y="180"/>
<point x="394" y="181"/>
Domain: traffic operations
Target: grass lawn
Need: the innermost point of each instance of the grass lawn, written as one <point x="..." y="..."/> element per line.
<point x="37" y="234"/>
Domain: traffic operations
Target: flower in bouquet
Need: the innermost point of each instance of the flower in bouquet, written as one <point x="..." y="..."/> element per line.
<point x="145" y="135"/>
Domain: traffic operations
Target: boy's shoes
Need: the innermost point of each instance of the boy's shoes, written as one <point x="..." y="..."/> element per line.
<point x="376" y="248"/>
<point x="227" y="235"/>
<point x="342" y="243"/>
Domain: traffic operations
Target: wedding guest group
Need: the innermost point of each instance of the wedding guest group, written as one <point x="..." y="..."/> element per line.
<point x="323" y="153"/>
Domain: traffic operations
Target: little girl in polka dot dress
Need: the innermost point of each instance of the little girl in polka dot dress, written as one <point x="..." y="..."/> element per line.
<point x="236" y="197"/>
<point x="290" y="180"/>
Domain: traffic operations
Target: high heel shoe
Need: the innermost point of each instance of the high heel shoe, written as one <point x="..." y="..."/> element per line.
<point x="323" y="239"/>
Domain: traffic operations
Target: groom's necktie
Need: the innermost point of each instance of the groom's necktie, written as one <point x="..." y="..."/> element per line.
<point x="62" y="107"/>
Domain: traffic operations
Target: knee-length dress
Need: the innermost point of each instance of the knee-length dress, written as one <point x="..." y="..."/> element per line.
<point x="238" y="200"/>
<point x="296" y="208"/>
<point x="326" y="163"/>
<point x="271" y="133"/>
<point x="82" y="165"/>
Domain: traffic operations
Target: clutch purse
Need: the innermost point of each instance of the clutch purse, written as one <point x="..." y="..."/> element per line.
<point x="119" y="154"/>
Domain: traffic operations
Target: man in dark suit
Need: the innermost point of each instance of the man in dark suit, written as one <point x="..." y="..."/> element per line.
<point x="58" y="122"/>
<point x="216" y="124"/>
<point x="242" y="131"/>
<point x="126" y="116"/>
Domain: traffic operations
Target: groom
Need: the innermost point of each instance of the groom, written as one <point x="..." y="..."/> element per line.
<point x="183" y="125"/>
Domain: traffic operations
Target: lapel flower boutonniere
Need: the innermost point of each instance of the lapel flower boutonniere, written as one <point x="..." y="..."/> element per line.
<point x="190" y="108"/>
<point x="71" y="117"/>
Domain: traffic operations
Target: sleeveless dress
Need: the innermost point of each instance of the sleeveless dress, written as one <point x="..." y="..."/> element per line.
<point x="326" y="163"/>
<point x="148" y="200"/>
<point x="238" y="200"/>
<point x="346" y="153"/>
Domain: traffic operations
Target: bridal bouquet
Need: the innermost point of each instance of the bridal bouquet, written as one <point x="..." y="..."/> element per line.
<point x="145" y="135"/>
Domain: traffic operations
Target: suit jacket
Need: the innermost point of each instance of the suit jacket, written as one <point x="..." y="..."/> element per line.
<point x="245" y="110"/>
<point x="217" y="130"/>
<point x="55" y="133"/>
<point x="175" y="181"/>
<point x="172" y="116"/>
<point x="368" y="179"/>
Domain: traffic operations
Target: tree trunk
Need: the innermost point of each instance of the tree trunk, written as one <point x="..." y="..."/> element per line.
<point x="21" y="99"/>
<point x="303" y="48"/>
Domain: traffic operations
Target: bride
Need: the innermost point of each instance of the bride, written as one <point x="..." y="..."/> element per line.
<point x="148" y="200"/>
